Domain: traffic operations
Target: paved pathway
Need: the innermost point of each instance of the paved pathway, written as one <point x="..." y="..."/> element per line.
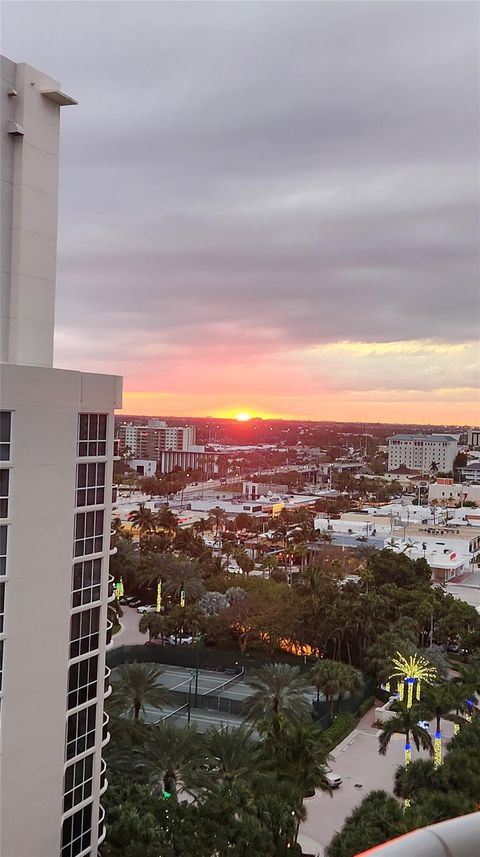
<point x="362" y="769"/>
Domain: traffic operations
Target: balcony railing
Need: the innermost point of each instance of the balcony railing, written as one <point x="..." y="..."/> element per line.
<point x="458" y="836"/>
<point x="112" y="545"/>
<point x="103" y="777"/>
<point x="101" y="824"/>
<point x="105" y="732"/>
<point x="106" y="683"/>
<point x="111" y="586"/>
<point x="108" y="634"/>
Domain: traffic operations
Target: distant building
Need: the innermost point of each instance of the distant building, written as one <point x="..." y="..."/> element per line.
<point x="144" y="466"/>
<point x="474" y="438"/>
<point x="169" y="446"/>
<point x="471" y="472"/>
<point x="253" y="490"/>
<point x="148" y="441"/>
<point x="447" y="491"/>
<point x="421" y="451"/>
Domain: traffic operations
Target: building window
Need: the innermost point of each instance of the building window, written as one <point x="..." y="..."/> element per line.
<point x="2" y="605"/>
<point x="3" y="549"/>
<point x="84" y="632"/>
<point x="92" y="434"/>
<point x="86" y="583"/>
<point x="77" y="832"/>
<point x="90" y="484"/>
<point x="4" y="481"/>
<point x="81" y="731"/>
<point x="78" y="782"/>
<point x="5" y="431"/>
<point x="88" y="533"/>
<point x="82" y="682"/>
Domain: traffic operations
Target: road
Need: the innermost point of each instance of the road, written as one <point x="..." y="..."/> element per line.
<point x="468" y="591"/>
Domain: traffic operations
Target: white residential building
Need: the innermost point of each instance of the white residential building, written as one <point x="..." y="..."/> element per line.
<point x="473" y="439"/>
<point x="56" y="459"/>
<point x="447" y="492"/>
<point x="421" y="451"/>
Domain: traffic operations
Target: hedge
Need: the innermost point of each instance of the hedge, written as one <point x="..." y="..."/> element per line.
<point x="339" y="729"/>
<point x="365" y="706"/>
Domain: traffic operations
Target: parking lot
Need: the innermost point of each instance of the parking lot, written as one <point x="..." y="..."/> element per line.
<point x="362" y="769"/>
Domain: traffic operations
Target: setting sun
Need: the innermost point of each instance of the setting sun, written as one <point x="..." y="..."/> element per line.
<point x="243" y="418"/>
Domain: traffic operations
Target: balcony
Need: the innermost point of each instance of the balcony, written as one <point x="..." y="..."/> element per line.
<point x="105" y="732"/>
<point x="108" y="634"/>
<point x="112" y="545"/>
<point x="106" y="683"/>
<point x="103" y="777"/>
<point x="458" y="836"/>
<point x="102" y="830"/>
<point x="111" y="587"/>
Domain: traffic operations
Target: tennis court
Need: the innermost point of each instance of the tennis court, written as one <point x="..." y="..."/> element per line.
<point x="215" y="683"/>
<point x="201" y="718"/>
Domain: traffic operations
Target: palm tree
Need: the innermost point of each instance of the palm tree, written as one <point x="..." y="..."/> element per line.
<point x="167" y="520"/>
<point x="326" y="677"/>
<point x="234" y="755"/>
<point x="199" y="527"/>
<point x="155" y="625"/>
<point x="142" y="519"/>
<point x="177" y="755"/>
<point x="405" y="722"/>
<point x="298" y="754"/>
<point x="183" y="576"/>
<point x="279" y="695"/>
<point x="136" y="685"/>
<point x="218" y="517"/>
<point x="269" y="563"/>
<point x="439" y="702"/>
<point x="297" y="758"/>
<point x="350" y="680"/>
<point x="125" y="559"/>
<point x="282" y="533"/>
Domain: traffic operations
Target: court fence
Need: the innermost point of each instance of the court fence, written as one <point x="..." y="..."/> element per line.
<point x="201" y="656"/>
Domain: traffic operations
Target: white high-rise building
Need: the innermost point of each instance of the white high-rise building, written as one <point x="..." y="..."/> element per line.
<point x="421" y="451"/>
<point x="56" y="458"/>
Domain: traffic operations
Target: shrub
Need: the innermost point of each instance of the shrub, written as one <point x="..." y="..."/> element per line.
<point x="365" y="706"/>
<point x="338" y="730"/>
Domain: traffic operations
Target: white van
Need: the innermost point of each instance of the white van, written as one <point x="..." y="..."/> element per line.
<point x="334" y="780"/>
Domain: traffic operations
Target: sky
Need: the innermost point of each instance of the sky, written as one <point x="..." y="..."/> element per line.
<point x="265" y="207"/>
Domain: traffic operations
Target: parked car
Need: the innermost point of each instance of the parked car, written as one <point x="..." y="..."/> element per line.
<point x="135" y="602"/>
<point x="453" y="647"/>
<point x="126" y="600"/>
<point x="147" y="608"/>
<point x="424" y="724"/>
<point x="180" y="640"/>
<point x="333" y="779"/>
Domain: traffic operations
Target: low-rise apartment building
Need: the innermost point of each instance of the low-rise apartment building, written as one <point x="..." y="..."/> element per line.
<point x="446" y="492"/>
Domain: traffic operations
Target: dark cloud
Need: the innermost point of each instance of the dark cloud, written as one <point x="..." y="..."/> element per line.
<point x="307" y="172"/>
